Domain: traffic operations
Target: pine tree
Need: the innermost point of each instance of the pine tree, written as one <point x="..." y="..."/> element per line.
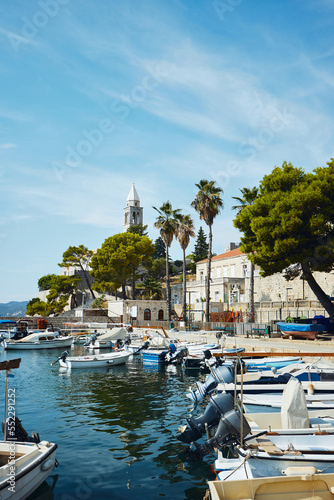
<point x="201" y="246"/>
<point x="160" y="249"/>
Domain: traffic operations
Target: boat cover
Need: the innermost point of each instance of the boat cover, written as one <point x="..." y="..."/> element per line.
<point x="294" y="412"/>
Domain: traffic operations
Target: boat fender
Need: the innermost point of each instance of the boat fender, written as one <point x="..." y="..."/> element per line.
<point x="300" y="471"/>
<point x="47" y="464"/>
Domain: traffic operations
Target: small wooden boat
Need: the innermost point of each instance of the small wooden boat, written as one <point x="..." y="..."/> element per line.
<point x="38" y="340"/>
<point x="93" y="361"/>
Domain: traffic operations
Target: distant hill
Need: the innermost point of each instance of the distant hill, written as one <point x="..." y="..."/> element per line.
<point x="13" y="308"/>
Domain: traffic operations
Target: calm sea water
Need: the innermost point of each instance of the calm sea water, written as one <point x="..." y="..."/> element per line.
<point x="115" y="428"/>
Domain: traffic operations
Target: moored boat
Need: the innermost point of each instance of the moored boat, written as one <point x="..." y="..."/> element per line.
<point x="38" y="340"/>
<point x="25" y="461"/>
<point x="93" y="361"/>
<point x="24" y="467"/>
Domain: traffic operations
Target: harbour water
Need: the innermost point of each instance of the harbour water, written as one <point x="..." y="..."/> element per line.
<point x="115" y="428"/>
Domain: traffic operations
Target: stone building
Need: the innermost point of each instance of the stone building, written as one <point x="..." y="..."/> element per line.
<point x="138" y="312"/>
<point x="275" y="298"/>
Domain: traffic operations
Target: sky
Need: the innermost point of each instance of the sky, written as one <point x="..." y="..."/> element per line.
<point x="98" y="95"/>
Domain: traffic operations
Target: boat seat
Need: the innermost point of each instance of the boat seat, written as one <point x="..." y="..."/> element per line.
<point x="268" y="446"/>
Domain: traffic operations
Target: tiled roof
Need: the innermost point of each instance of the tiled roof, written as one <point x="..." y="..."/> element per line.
<point x="226" y="255"/>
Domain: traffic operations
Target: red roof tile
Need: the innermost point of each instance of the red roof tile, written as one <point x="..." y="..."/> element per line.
<point x="226" y="255"/>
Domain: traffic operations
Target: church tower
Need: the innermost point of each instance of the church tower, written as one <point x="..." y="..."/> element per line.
<point x="133" y="212"/>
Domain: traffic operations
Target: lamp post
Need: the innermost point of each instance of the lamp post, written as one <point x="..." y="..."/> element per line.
<point x="189" y="295"/>
<point x="287" y="300"/>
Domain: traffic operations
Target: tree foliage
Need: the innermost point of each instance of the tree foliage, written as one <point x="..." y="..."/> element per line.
<point x="289" y="227"/>
<point x="208" y="203"/>
<point x="185" y="231"/>
<point x="118" y="259"/>
<point x="201" y="246"/>
<point x="138" y="229"/>
<point x="45" y="282"/>
<point x="167" y="222"/>
<point x="62" y="288"/>
<point x="160" y="249"/>
<point x="80" y="257"/>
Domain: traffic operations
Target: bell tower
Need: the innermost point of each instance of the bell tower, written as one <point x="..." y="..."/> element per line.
<point x="133" y="212"/>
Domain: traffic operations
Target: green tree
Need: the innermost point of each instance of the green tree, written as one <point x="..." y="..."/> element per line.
<point x="118" y="259"/>
<point x="79" y="257"/>
<point x="289" y="227"/>
<point x="36" y="306"/>
<point x="160" y="249"/>
<point x="247" y="199"/>
<point x="150" y="288"/>
<point x="208" y="204"/>
<point x="155" y="268"/>
<point x="167" y="223"/>
<point x="45" y="282"/>
<point x="60" y="291"/>
<point x="185" y="231"/>
<point x="201" y="246"/>
<point x="138" y="229"/>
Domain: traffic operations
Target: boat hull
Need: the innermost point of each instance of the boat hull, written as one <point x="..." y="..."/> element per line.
<point x="103" y="360"/>
<point x="45" y="344"/>
<point x="33" y="464"/>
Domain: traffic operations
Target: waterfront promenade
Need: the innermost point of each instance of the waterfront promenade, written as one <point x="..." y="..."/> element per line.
<point x="276" y="344"/>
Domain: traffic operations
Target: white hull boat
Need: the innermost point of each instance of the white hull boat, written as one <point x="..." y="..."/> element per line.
<point x="94" y="360"/>
<point x="24" y="467"/>
<point x="40" y="340"/>
<point x="298" y="483"/>
<point x="109" y="340"/>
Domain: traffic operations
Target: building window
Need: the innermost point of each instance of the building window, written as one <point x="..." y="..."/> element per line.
<point x="218" y="272"/>
<point x="244" y="270"/>
<point x="201" y="276"/>
<point x="160" y="315"/>
<point x="147" y="315"/>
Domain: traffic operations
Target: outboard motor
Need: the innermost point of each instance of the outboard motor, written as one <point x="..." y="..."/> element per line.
<point x="142" y="347"/>
<point x="119" y="343"/>
<point x="228" y="433"/>
<point x="179" y="355"/>
<point x="16" y="432"/>
<point x="91" y="340"/>
<point x="223" y="373"/>
<point x="220" y="404"/>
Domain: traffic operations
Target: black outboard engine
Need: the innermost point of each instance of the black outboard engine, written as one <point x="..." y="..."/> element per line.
<point x="178" y="355"/>
<point x="218" y="405"/>
<point x="228" y="433"/>
<point x="119" y="343"/>
<point x="142" y="347"/>
<point x="16" y="432"/>
<point x="222" y="373"/>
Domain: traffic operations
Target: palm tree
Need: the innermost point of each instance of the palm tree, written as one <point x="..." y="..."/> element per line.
<point x="167" y="221"/>
<point x="248" y="197"/>
<point x="184" y="232"/>
<point x="208" y="204"/>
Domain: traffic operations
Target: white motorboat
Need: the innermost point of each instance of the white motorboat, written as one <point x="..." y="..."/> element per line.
<point x="24" y="467"/>
<point x="93" y="361"/>
<point x="25" y="461"/>
<point x="108" y="340"/>
<point x="267" y="402"/>
<point x="298" y="483"/>
<point x="38" y="340"/>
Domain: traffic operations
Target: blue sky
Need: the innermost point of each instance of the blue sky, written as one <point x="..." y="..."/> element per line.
<point x="96" y="95"/>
